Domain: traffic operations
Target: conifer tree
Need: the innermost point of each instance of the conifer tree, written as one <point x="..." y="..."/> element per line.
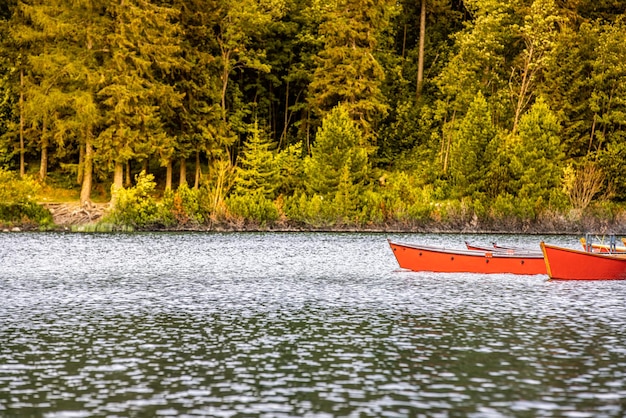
<point x="338" y="155"/>
<point x="482" y="58"/>
<point x="143" y="49"/>
<point x="539" y="33"/>
<point x="199" y="126"/>
<point x="471" y="140"/>
<point x="257" y="170"/>
<point x="348" y="71"/>
<point x="7" y="54"/>
<point x="537" y="155"/>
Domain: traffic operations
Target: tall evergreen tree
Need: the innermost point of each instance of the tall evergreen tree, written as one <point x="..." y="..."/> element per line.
<point x="537" y="161"/>
<point x="339" y="151"/>
<point x="539" y="33"/>
<point x="481" y="61"/>
<point x="348" y="72"/>
<point x="257" y="170"/>
<point x="472" y="138"/>
<point x="143" y="49"/>
<point x="7" y="52"/>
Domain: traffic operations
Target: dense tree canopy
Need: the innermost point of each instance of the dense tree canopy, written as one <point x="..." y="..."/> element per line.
<point x="472" y="100"/>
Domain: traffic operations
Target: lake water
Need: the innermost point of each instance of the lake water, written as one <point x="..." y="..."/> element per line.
<point x="296" y="325"/>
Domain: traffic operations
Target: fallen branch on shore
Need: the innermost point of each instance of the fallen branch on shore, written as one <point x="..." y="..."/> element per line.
<point x="75" y="213"/>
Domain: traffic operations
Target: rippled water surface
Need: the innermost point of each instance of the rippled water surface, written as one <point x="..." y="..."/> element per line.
<point x="296" y="324"/>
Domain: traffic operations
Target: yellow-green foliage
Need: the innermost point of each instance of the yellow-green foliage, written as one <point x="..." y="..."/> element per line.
<point x="252" y="207"/>
<point x="17" y="203"/>
<point x="14" y="190"/>
<point x="136" y="206"/>
<point x="315" y="211"/>
<point x="183" y="206"/>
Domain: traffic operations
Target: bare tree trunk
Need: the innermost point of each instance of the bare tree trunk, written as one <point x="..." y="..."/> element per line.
<point x="127" y="182"/>
<point x="81" y="165"/>
<point x="183" y="172"/>
<point x="447" y="140"/>
<point x="404" y="43"/>
<point x="22" y="150"/>
<point x="225" y="75"/>
<point x="420" y="61"/>
<point x="168" y="175"/>
<point x="196" y="183"/>
<point x="43" y="165"/>
<point x="87" y="177"/>
<point x="118" y="182"/>
<point x="283" y="136"/>
<point x="593" y="132"/>
<point x="526" y="79"/>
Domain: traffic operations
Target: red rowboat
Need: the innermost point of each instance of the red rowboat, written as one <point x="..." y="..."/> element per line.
<point x="442" y="260"/>
<point x="569" y="264"/>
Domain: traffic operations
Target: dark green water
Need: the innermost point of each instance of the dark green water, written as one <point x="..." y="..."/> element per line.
<point x="296" y="325"/>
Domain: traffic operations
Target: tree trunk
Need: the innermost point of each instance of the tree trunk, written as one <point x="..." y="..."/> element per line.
<point x="283" y="136"/>
<point x="183" y="172"/>
<point x="526" y="78"/>
<point x="87" y="177"/>
<point x="168" y="175"/>
<point x="447" y="140"/>
<point x="118" y="182"/>
<point x="22" y="151"/>
<point x="225" y="75"/>
<point x="127" y="182"/>
<point x="196" y="183"/>
<point x="43" y="166"/>
<point x="593" y="132"/>
<point x="81" y="165"/>
<point x="420" y="61"/>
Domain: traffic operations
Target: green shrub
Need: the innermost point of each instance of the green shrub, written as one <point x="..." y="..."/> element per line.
<point x="26" y="215"/>
<point x="315" y="211"/>
<point x="182" y="207"/>
<point x="16" y="190"/>
<point x="135" y="206"/>
<point x="254" y="208"/>
<point x="17" y="203"/>
<point x="373" y="209"/>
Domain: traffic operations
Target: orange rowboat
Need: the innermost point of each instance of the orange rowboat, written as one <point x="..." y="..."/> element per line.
<point x="442" y="260"/>
<point x="569" y="264"/>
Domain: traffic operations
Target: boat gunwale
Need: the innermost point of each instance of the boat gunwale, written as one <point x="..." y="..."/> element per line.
<point x="470" y="253"/>
<point x="616" y="255"/>
<point x="502" y="249"/>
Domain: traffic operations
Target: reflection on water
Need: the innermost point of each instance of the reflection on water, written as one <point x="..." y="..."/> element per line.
<point x="295" y="325"/>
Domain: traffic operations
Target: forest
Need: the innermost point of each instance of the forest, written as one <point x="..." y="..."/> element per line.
<point x="502" y="115"/>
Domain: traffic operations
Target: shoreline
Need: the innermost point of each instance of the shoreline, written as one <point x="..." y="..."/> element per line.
<point x="72" y="217"/>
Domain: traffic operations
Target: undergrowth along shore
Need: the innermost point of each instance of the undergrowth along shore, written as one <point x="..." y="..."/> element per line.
<point x="35" y="217"/>
<point x="140" y="208"/>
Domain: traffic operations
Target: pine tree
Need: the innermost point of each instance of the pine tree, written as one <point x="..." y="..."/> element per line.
<point x="537" y="154"/>
<point x="144" y="49"/>
<point x="468" y="164"/>
<point x="348" y="71"/>
<point x="339" y="149"/>
<point x="199" y="128"/>
<point x="257" y="172"/>
<point x="539" y="33"/>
